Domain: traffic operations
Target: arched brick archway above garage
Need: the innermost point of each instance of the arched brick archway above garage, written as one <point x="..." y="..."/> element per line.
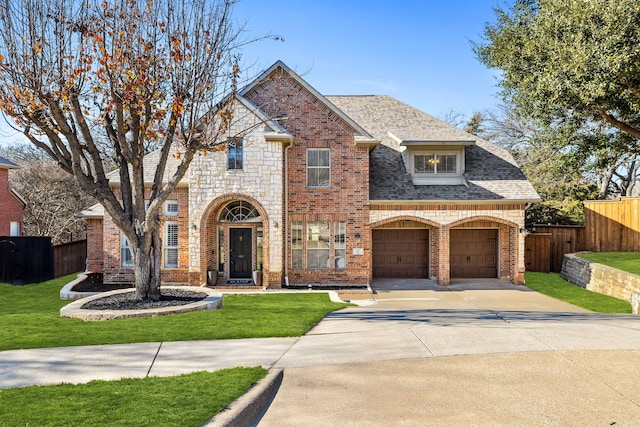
<point x="231" y="213"/>
<point x="404" y="247"/>
<point x="483" y="247"/>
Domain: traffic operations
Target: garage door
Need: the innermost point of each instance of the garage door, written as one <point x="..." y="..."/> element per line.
<point x="473" y="253"/>
<point x="401" y="253"/>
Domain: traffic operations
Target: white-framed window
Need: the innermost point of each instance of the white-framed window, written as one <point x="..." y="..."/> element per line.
<point x="436" y="163"/>
<point x="318" y="167"/>
<point x="171" y="207"/>
<point x="126" y="258"/>
<point x="340" y="245"/>
<point x="234" y="154"/>
<point x="318" y="239"/>
<point x="171" y="244"/>
<point x="14" y="228"/>
<point x="297" y="244"/>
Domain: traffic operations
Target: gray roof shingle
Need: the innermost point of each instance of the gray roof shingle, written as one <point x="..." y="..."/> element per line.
<point x="7" y="164"/>
<point x="490" y="171"/>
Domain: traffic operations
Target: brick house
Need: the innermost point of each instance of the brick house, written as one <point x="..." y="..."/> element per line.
<point x="334" y="190"/>
<point x="11" y="203"/>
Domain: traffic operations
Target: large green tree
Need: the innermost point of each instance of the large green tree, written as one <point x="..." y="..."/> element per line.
<point x="572" y="61"/>
<point x="131" y="74"/>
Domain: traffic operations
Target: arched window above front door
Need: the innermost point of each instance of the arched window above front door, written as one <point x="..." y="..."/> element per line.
<point x="240" y="212"/>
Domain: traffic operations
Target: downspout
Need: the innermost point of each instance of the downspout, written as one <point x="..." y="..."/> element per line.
<point x="286" y="212"/>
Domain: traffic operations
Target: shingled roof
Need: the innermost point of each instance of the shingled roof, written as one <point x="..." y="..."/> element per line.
<point x="490" y="171"/>
<point x="7" y="164"/>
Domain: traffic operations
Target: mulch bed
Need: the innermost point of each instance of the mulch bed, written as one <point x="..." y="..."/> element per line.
<point x="128" y="301"/>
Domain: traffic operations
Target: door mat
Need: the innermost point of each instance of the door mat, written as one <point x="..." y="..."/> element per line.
<point x="239" y="282"/>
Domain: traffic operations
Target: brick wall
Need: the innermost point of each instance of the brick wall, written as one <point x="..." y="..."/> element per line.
<point x="112" y="268"/>
<point x="507" y="218"/>
<point x="313" y="125"/>
<point x="10" y="207"/>
<point x="95" y="251"/>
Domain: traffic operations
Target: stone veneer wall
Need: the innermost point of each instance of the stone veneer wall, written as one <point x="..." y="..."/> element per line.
<point x="602" y="279"/>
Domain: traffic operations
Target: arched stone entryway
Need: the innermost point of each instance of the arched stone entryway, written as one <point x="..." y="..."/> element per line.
<point x="235" y="232"/>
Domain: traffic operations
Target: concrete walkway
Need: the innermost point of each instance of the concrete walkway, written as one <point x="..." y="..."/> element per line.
<point x="474" y="353"/>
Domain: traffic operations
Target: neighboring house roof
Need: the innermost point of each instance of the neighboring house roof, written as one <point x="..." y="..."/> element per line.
<point x="7" y="164"/>
<point x="95" y="211"/>
<point x="490" y="171"/>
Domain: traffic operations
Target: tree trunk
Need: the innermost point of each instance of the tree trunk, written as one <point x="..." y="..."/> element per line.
<point x="147" y="269"/>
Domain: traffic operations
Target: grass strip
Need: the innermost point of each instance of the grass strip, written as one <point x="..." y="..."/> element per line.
<point x="185" y="400"/>
<point x="30" y="318"/>
<point x="551" y="284"/>
<point x="625" y="261"/>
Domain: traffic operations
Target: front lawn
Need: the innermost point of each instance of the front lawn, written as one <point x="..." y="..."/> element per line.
<point x="551" y="284"/>
<point x="625" y="261"/>
<point x="186" y="400"/>
<point x="30" y="318"/>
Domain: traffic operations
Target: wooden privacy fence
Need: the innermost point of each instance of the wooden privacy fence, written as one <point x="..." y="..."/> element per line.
<point x="25" y="260"/>
<point x="69" y="258"/>
<point x="32" y="259"/>
<point x="545" y="249"/>
<point x="612" y="225"/>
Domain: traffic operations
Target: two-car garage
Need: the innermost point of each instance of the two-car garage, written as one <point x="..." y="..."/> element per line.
<point x="405" y="253"/>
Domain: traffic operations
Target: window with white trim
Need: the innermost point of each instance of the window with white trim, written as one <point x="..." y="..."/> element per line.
<point x="314" y="239"/>
<point x="171" y="244"/>
<point x="14" y="228"/>
<point x="171" y="207"/>
<point x="435" y="163"/>
<point x="340" y="245"/>
<point x="126" y="258"/>
<point x="318" y="167"/>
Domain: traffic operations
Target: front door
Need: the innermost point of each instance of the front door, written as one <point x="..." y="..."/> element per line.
<point x="240" y="253"/>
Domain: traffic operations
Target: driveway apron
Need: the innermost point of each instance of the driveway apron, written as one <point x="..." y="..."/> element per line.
<point x="515" y="356"/>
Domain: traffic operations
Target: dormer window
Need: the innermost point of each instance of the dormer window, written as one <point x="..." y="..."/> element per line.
<point x="435" y="163"/>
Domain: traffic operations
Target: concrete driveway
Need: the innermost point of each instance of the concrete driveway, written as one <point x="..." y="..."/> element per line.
<point x="474" y="353"/>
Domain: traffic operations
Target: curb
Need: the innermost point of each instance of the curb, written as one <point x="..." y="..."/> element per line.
<point x="248" y="409"/>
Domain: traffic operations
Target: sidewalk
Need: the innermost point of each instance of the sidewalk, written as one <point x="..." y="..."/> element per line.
<point x="513" y="353"/>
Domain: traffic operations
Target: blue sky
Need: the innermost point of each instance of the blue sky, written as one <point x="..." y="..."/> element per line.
<point x="418" y="51"/>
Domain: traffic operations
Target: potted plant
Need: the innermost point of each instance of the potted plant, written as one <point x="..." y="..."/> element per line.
<point x="257" y="277"/>
<point x="212" y="277"/>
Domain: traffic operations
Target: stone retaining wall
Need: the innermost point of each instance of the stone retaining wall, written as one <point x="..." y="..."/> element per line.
<point x="602" y="279"/>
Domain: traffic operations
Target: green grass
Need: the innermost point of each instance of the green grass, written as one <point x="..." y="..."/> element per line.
<point x="186" y="400"/>
<point x="553" y="285"/>
<point x="30" y="318"/>
<point x="626" y="261"/>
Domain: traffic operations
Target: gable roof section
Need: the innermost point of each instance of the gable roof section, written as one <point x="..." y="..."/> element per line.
<point x="360" y="134"/>
<point x="7" y="164"/>
<point x="490" y="171"/>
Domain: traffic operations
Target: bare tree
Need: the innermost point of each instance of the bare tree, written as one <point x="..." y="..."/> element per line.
<point x="52" y="196"/>
<point x="135" y="73"/>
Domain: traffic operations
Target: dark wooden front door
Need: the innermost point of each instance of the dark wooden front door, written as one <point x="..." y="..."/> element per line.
<point x="401" y="253"/>
<point x="473" y="253"/>
<point x="240" y="253"/>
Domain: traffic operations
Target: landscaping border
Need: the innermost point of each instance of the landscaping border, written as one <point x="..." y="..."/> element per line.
<point x="602" y="279"/>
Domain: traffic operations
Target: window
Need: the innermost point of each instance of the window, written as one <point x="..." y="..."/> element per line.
<point x="318" y="245"/>
<point x="170" y="207"/>
<point x="171" y="244"/>
<point x="126" y="259"/>
<point x="340" y="245"/>
<point x="318" y="167"/>
<point x="314" y="239"/>
<point x="234" y="154"/>
<point x="435" y="163"/>
<point x="14" y="228"/>
<point x="296" y="245"/>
